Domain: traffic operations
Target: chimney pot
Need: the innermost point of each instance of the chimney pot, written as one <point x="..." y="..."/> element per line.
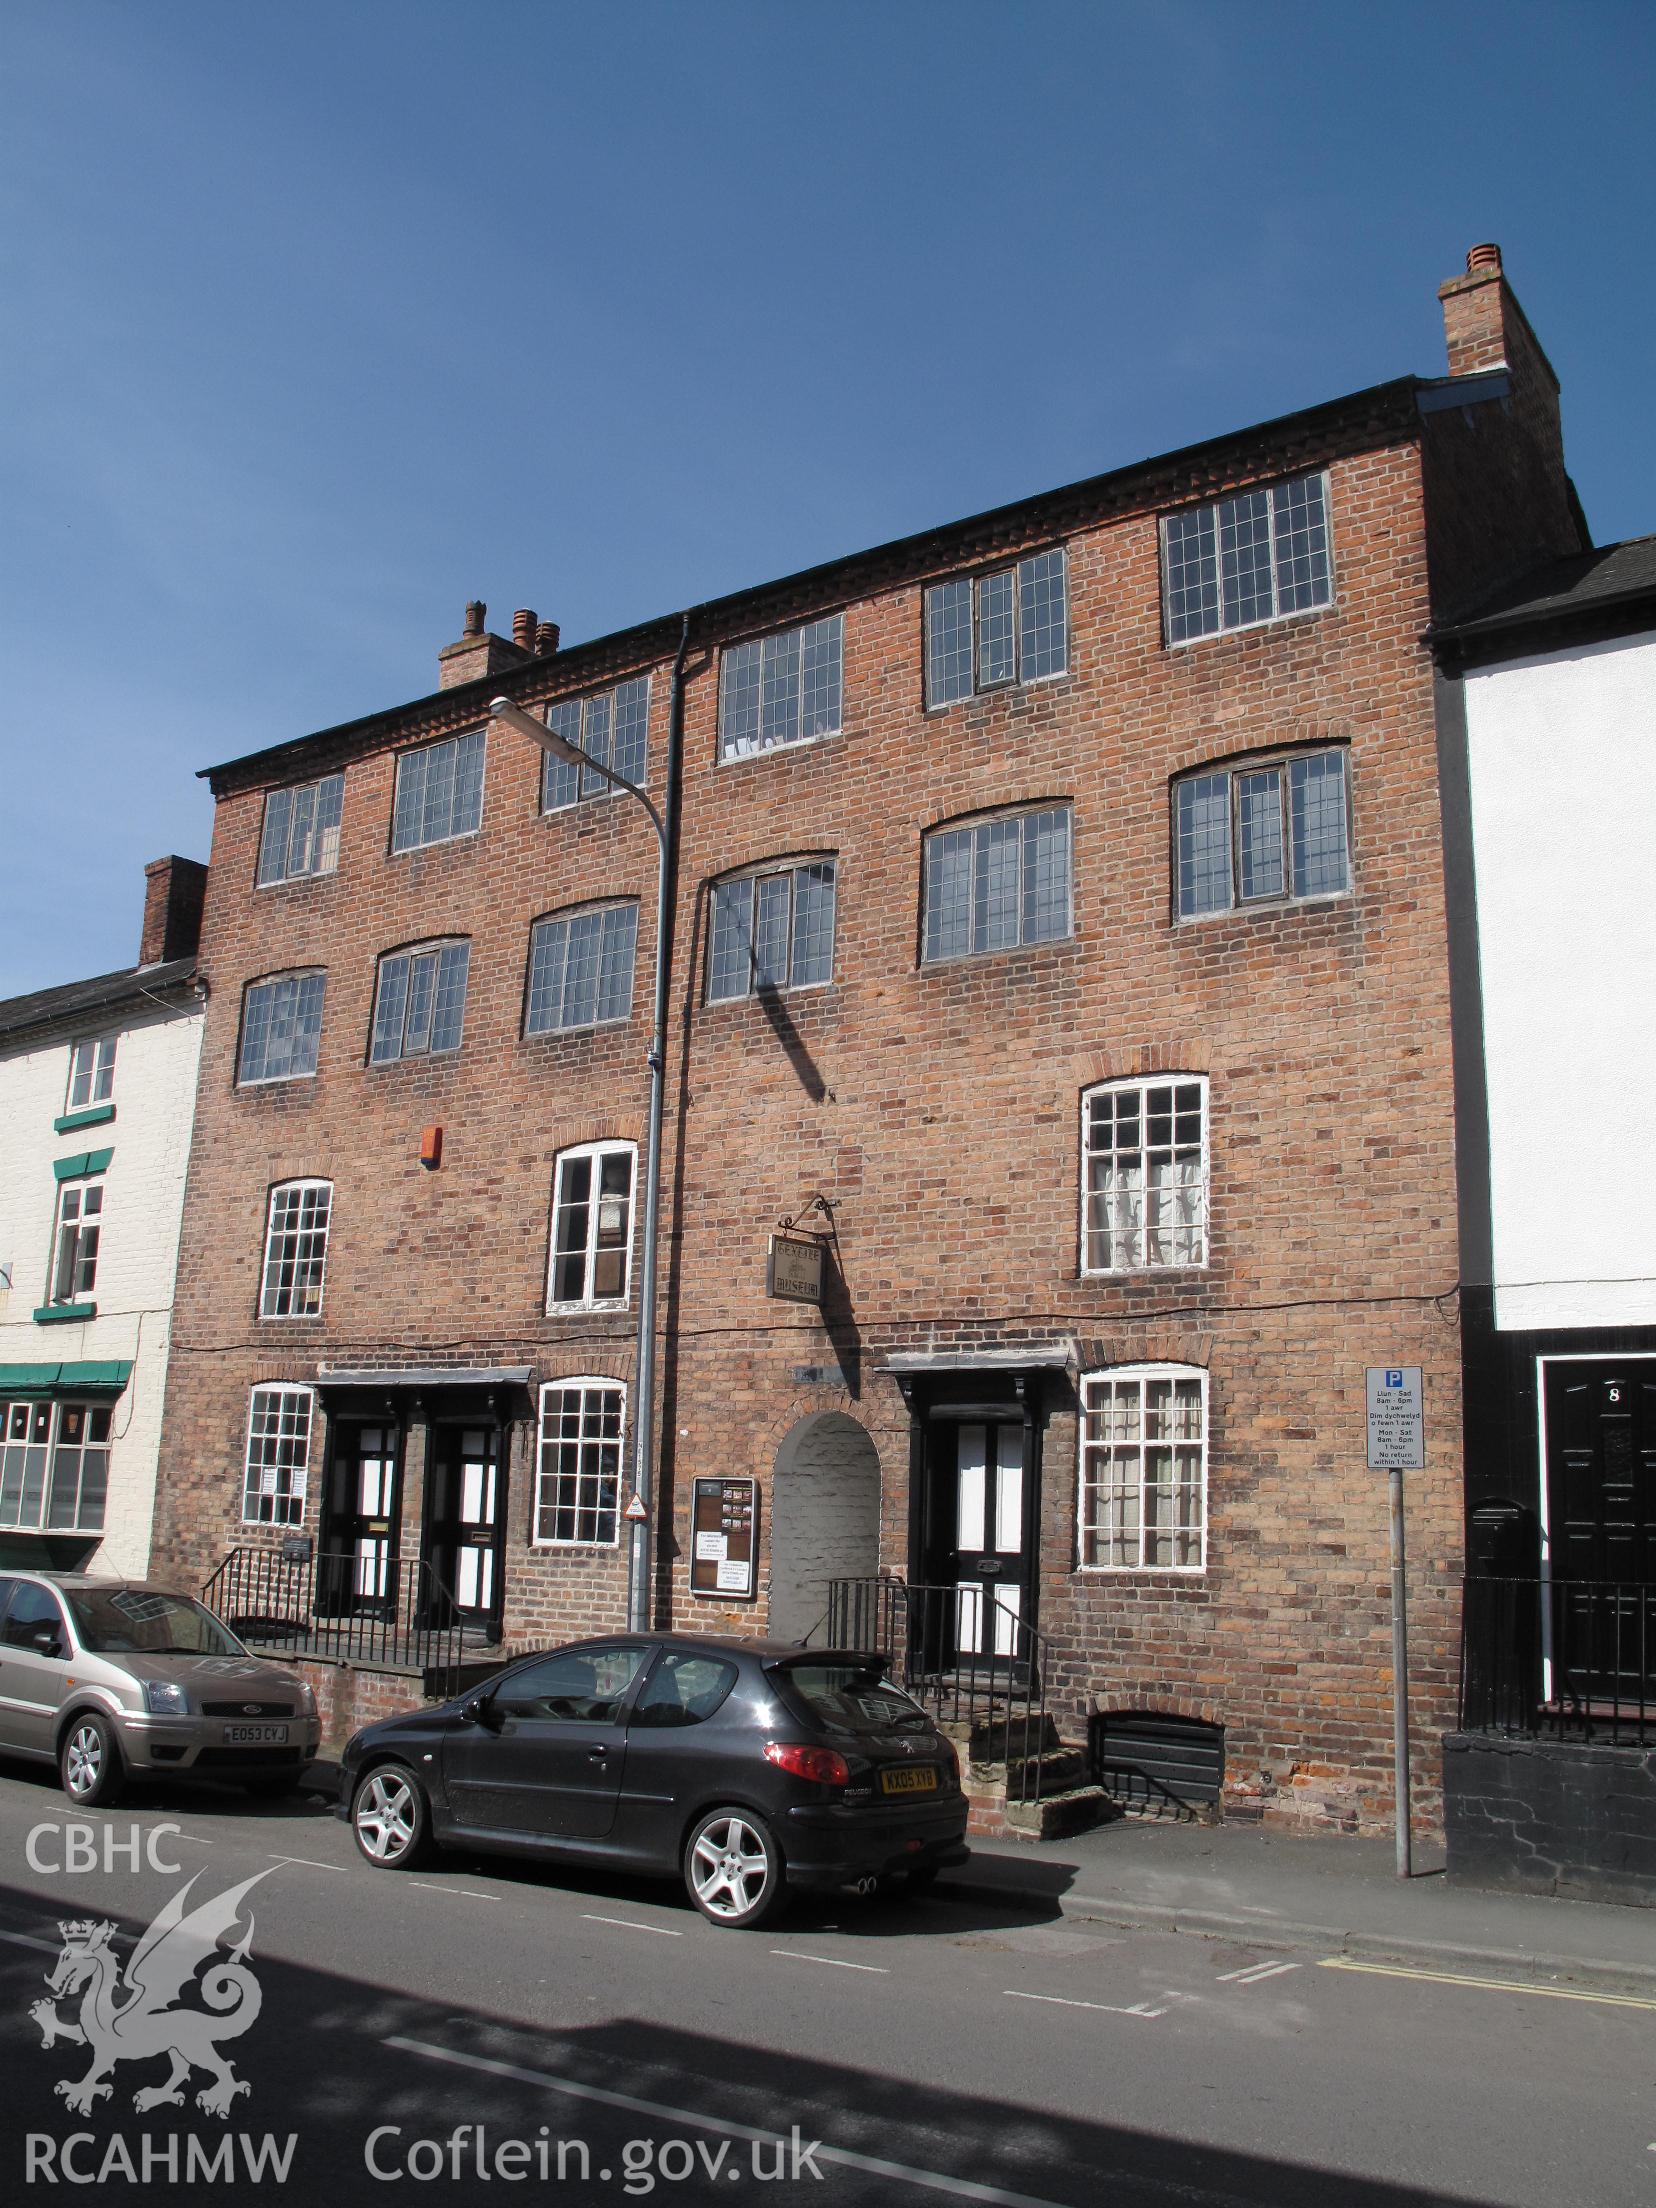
<point x="523" y="629"/>
<point x="546" y="637"/>
<point x="1483" y="256"/>
<point x="476" y="614"/>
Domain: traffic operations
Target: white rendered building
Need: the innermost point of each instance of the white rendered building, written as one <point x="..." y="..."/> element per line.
<point x="97" y="1100"/>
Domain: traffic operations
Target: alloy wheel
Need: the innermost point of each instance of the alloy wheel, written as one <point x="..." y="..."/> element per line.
<point x="387" y="1817"/>
<point x="83" y="1761"/>
<point x="729" y="1867"/>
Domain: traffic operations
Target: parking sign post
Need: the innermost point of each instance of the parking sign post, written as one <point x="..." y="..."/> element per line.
<point x="1397" y="1440"/>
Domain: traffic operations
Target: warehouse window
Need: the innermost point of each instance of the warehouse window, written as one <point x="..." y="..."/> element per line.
<point x="301" y="831"/>
<point x="1143" y="1503"/>
<point x="997" y="883"/>
<point x="772" y="930"/>
<point x="281" y="1028"/>
<point x="439" y="792"/>
<point x="54" y="1466"/>
<point x="419" y="1002"/>
<point x="1271" y="833"/>
<point x="1249" y="559"/>
<point x="985" y="631"/>
<point x="611" y="728"/>
<point x="581" y="969"/>
<point x="781" y="689"/>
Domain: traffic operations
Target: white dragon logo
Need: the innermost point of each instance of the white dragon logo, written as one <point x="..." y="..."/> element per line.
<point x="140" y="2019"/>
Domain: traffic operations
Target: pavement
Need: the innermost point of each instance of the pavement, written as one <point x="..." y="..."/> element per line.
<point x="1327" y="1891"/>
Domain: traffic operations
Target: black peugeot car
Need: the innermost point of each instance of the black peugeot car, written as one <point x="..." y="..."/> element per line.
<point x="746" y="1767"/>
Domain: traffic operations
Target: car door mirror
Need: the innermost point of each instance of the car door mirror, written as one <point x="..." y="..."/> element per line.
<point x="480" y="1710"/>
<point x="45" y="1640"/>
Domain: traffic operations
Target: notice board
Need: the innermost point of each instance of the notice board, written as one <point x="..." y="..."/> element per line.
<point x="724" y="1539"/>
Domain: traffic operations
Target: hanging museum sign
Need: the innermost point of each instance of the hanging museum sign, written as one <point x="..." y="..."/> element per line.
<point x="794" y="1270"/>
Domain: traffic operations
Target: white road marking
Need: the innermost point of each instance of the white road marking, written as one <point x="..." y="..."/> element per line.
<point x="962" y="2187"/>
<point x="1106" y="2008"/>
<point x="798" y="1955"/>
<point x="472" y="1893"/>
<point x="636" y="1924"/>
<point x="1251" y="1973"/>
<point x="1486" y="1985"/>
<point x="193" y="1837"/>
<point x="309" y="1862"/>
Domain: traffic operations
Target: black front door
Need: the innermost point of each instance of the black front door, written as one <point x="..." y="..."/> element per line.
<point x="357" y="1574"/>
<point x="1601" y="1528"/>
<point x="464" y="1521"/>
<point x="977" y="1541"/>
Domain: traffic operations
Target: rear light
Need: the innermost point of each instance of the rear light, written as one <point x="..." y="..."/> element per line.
<point x="825" y="1765"/>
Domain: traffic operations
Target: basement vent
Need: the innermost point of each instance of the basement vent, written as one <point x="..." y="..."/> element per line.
<point x="1152" y="1761"/>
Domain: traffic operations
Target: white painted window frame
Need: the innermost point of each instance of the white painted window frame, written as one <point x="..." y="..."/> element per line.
<point x="300" y="1189"/>
<point x="564" y="1386"/>
<point x="100" y="1085"/>
<point x="596" y="1151"/>
<point x="1144" y="1082"/>
<point x="299" y="1491"/>
<point x="1140" y="1374"/>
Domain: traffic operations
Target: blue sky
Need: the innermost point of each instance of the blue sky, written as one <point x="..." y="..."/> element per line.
<point x="323" y="319"/>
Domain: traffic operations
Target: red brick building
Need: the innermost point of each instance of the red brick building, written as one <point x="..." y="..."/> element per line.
<point x="1058" y="897"/>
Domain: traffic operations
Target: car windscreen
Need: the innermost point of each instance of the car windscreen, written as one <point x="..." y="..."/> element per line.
<point x="852" y="1698"/>
<point x="127" y="1619"/>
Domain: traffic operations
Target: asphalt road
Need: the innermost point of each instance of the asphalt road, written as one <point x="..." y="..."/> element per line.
<point x="484" y="2032"/>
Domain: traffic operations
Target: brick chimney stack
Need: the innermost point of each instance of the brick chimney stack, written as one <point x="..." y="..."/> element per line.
<point x="174" y="891"/>
<point x="478" y="652"/>
<point x="1484" y="326"/>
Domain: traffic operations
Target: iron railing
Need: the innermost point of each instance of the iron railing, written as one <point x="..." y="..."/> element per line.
<point x="1563" y="1659"/>
<point x="342" y="1606"/>
<point x="965" y="1656"/>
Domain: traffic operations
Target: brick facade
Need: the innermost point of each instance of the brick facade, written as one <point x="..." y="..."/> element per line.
<point x="936" y="1108"/>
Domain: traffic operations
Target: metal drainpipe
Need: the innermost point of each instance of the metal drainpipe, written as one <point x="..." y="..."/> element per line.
<point x="640" y="1574"/>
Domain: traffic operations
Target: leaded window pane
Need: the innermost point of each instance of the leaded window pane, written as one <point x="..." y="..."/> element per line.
<point x="813" y="925"/>
<point x="1002" y="882"/>
<point x="772" y="913"/>
<point x="1259" y="853"/>
<point x="1300" y="515"/>
<point x="1043" y="616"/>
<point x="739" y="700"/>
<point x="1203" y="830"/>
<point x="561" y="778"/>
<point x="997" y="629"/>
<point x="1247" y="559"/>
<point x="730" y="959"/>
<point x="822" y="661"/>
<point x="948" y="642"/>
<point x="273" y="846"/>
<point x="439" y="792"/>
<point x="771" y="931"/>
<point x="782" y="689"/>
<point x="282" y="1028"/>
<point x="296" y="1249"/>
<point x="1317" y="814"/>
<point x="1191" y="567"/>
<point x="581" y="969"/>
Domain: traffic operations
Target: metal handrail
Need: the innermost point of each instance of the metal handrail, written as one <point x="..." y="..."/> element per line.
<point x="1545" y="1656"/>
<point x="320" y="1605"/>
<point x="996" y="1685"/>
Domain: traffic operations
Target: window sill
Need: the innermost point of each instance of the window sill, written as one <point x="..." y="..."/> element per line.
<point x="782" y="743"/>
<point x="1248" y="628"/>
<point x="983" y="693"/>
<point x="1198" y="1268"/>
<point x="1263" y="906"/>
<point x="94" y="1116"/>
<point x="1183" y="1573"/>
<point x="436" y="843"/>
<point x="63" y="1314"/>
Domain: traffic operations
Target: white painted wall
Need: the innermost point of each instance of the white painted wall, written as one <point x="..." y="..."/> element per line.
<point x="1562" y="755"/>
<point x="156" y="1058"/>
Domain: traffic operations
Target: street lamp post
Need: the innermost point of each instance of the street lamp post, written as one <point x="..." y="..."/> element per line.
<point x="638" y="1562"/>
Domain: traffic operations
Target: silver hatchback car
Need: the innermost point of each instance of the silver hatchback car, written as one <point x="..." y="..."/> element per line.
<point x="111" y="1679"/>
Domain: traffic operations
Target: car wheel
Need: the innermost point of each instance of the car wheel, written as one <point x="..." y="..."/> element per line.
<point x="733" y="1869"/>
<point x="390" y="1818"/>
<point x="89" y="1762"/>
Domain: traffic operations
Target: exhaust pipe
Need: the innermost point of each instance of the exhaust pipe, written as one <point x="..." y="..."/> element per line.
<point x="865" y="1886"/>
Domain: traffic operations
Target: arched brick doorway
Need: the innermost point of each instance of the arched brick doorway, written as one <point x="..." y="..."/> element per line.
<point x="825" y="1517"/>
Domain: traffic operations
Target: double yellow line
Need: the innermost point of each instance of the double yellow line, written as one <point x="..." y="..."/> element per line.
<point x="1485" y="1985"/>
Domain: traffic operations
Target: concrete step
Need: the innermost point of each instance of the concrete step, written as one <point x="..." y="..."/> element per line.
<point x="1054" y="1816"/>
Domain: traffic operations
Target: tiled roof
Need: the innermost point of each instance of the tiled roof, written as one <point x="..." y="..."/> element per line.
<point x="1589" y="584"/>
<point x="43" y="1007"/>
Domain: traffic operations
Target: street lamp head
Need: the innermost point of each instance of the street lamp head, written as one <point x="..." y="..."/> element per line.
<point x="503" y="709"/>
